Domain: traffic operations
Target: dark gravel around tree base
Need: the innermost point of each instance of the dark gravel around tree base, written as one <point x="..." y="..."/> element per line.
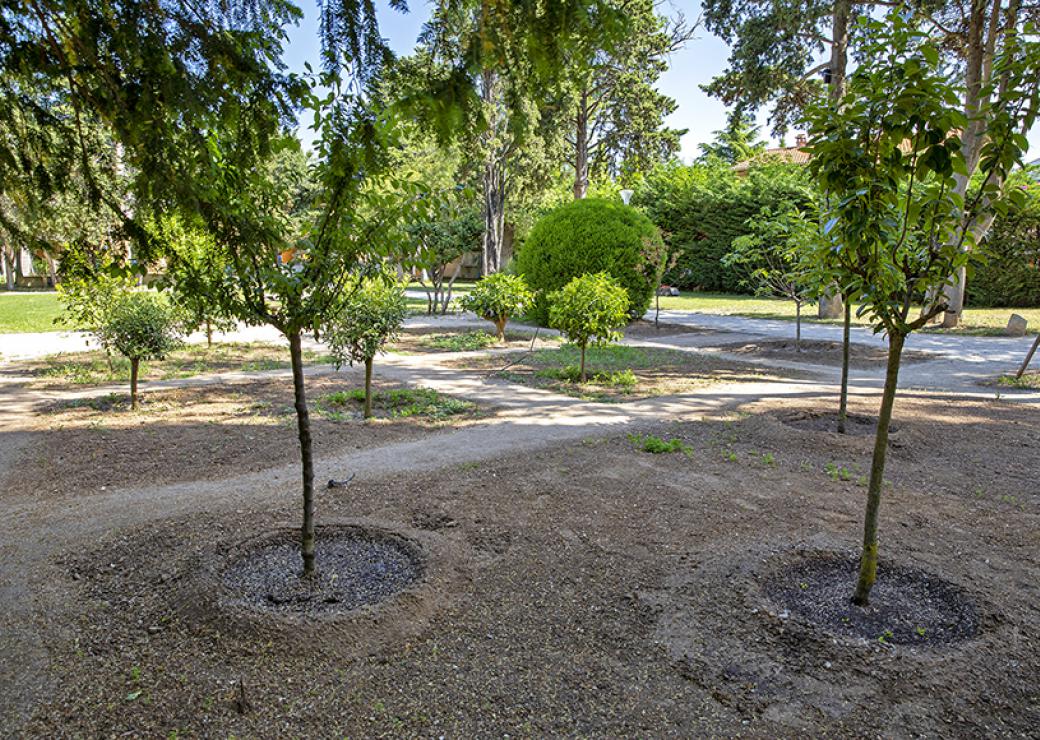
<point x="856" y="424"/>
<point x="354" y="568"/>
<point x="907" y="606"/>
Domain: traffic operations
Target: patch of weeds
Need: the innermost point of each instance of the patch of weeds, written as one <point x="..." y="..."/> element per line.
<point x="1029" y="381"/>
<point x="885" y="636"/>
<point x="769" y="458"/>
<point x="624" y="380"/>
<point x="469" y="466"/>
<point x="657" y="446"/>
<point x="729" y="455"/>
<point x="837" y="472"/>
<point x="469" y="341"/>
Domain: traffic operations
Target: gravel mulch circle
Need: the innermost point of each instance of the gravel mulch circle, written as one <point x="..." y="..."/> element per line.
<point x="907" y="606"/>
<point x="814" y="421"/>
<point x="354" y="568"/>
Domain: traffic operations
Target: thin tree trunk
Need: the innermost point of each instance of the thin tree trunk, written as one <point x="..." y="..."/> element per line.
<point x="869" y="558"/>
<point x="500" y="329"/>
<point x="581" y="374"/>
<point x="209" y="333"/>
<point x="303" y="426"/>
<point x="368" y="388"/>
<point x="135" y="363"/>
<point x="1029" y="358"/>
<point x="797" y="326"/>
<point x="581" y="147"/>
<point x="846" y="336"/>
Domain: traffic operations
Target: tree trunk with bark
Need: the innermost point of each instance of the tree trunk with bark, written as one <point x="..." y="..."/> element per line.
<point x="984" y="24"/>
<point x="581" y="373"/>
<point x="303" y="426"/>
<point x="493" y="177"/>
<point x="368" y="388"/>
<point x="830" y="304"/>
<point x="869" y="558"/>
<point x="500" y="329"/>
<point x="135" y="366"/>
<point x="581" y="147"/>
<point x="846" y="338"/>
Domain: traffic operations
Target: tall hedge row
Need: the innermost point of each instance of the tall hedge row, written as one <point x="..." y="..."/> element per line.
<point x="1011" y="275"/>
<point x="701" y="209"/>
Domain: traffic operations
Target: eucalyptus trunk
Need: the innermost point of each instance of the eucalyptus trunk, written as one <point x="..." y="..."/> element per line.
<point x="869" y="557"/>
<point x="303" y="427"/>
<point x="830" y="304"/>
<point x="846" y="339"/>
<point x="983" y="22"/>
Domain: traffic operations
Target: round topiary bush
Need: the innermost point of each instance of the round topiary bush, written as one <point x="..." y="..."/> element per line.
<point x="592" y="236"/>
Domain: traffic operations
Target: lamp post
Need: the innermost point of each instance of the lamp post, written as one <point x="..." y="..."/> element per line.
<point x="626" y="195"/>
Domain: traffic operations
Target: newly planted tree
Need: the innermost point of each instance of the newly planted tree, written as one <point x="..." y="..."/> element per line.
<point x="590" y="309"/>
<point x="139" y="325"/>
<point x="888" y="155"/>
<point x="368" y="317"/>
<point x="498" y="297"/>
<point x="770" y="254"/>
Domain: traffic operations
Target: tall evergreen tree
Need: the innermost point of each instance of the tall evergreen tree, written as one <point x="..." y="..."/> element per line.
<point x="618" y="114"/>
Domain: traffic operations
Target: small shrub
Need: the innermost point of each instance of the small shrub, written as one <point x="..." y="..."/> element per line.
<point x="589" y="309"/>
<point x="139" y="325"/>
<point x="370" y="316"/>
<point x="496" y="298"/>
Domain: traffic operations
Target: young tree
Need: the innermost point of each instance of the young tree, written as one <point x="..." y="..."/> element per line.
<point x="739" y="142"/>
<point x="139" y="325"/>
<point x="195" y="274"/>
<point x="771" y="256"/>
<point x="369" y="316"/>
<point x="888" y="154"/>
<point x="441" y="242"/>
<point x="590" y="309"/>
<point x="496" y="298"/>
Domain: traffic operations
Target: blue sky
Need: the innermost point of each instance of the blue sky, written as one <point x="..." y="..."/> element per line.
<point x="695" y="64"/>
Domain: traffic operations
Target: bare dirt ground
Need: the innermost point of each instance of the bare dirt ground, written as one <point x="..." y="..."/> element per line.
<point x="586" y="589"/>
<point x="87" y="445"/>
<point x="818" y="352"/>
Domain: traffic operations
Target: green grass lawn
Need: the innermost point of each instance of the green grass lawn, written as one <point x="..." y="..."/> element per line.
<point x="29" y="312"/>
<point x="976" y="320"/>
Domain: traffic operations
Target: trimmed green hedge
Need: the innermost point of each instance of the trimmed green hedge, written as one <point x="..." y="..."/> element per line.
<point x="702" y="209"/>
<point x="590" y="236"/>
<point x="1011" y="276"/>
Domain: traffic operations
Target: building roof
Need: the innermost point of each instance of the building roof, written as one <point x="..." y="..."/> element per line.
<point x="781" y="154"/>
